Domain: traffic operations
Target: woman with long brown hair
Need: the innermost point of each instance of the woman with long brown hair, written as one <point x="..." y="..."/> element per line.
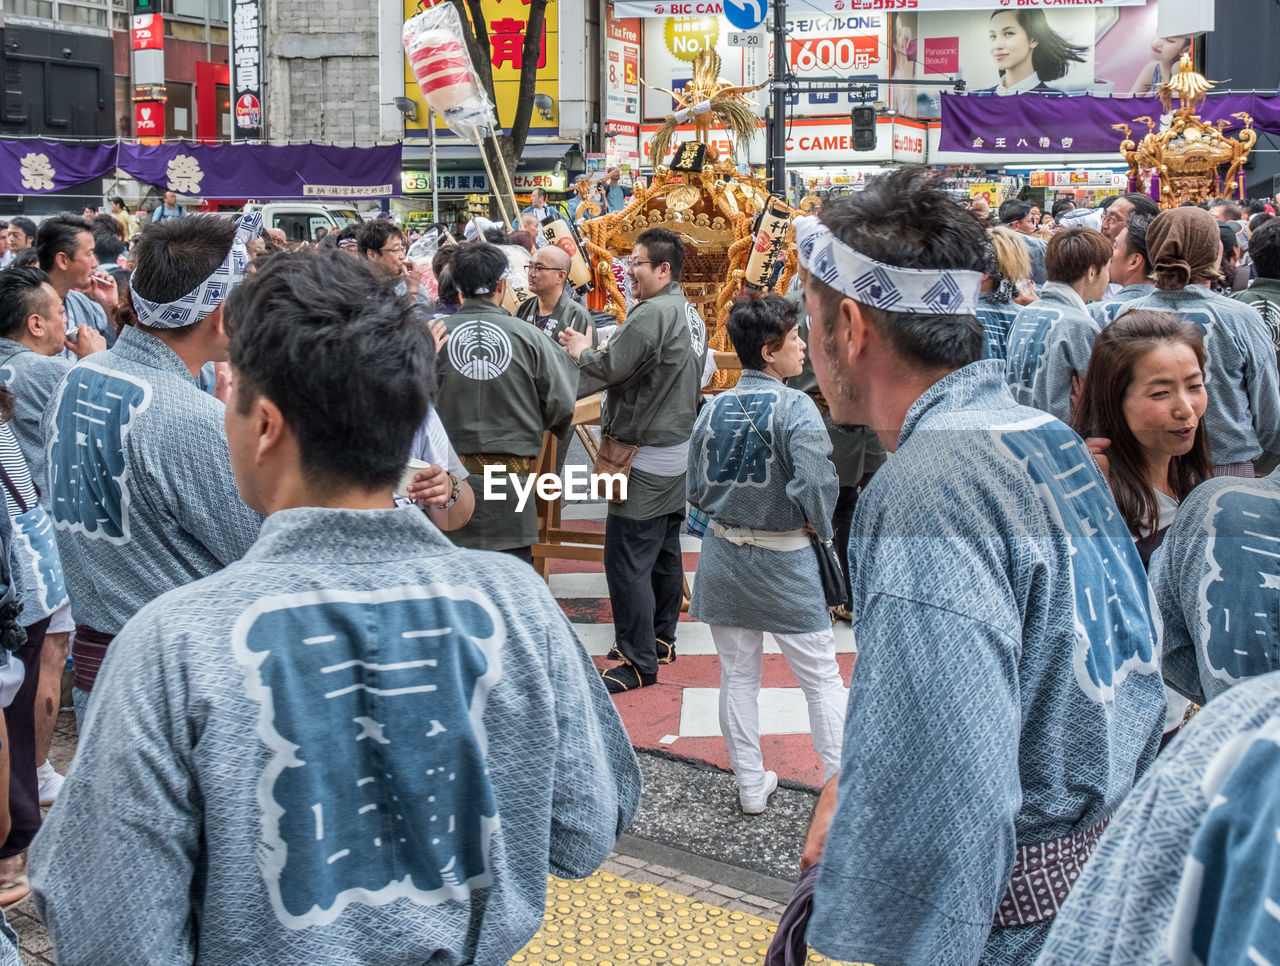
<point x="1144" y="392"/>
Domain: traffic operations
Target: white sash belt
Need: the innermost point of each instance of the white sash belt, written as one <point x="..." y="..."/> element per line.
<point x="767" y="539"/>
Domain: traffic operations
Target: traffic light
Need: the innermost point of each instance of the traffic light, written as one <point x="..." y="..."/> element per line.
<point x="146" y="6"/>
<point x="864" y="128"/>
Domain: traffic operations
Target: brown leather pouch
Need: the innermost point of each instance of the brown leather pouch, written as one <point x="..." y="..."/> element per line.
<point x="614" y="458"/>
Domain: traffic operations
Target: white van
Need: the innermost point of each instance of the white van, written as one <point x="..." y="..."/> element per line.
<point x="299" y="219"/>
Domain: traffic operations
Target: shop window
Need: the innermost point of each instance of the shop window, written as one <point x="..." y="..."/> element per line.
<point x="179" y="111"/>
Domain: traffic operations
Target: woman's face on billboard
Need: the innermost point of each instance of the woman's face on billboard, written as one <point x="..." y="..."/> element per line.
<point x="1010" y="46"/>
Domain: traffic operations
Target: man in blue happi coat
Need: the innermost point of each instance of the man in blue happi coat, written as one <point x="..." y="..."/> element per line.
<point x="359" y="743"/>
<point x="1007" y="692"/>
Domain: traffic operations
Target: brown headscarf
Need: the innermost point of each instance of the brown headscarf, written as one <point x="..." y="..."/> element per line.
<point x="1183" y="247"/>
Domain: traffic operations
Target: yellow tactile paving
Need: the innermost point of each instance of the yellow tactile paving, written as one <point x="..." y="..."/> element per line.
<point x="605" y="919"/>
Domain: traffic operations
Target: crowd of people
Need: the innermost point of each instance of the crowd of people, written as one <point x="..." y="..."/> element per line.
<point x="314" y="728"/>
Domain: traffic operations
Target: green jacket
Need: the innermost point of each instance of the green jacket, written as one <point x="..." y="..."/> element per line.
<point x="855" y="450"/>
<point x="652" y="366"/>
<point x="1264" y="295"/>
<point x="502" y="382"/>
<point x="567" y="314"/>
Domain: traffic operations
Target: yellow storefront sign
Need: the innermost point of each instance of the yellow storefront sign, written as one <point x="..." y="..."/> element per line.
<point x="506" y="21"/>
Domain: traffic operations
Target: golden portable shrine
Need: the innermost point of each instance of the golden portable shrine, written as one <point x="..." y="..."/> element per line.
<point x="734" y="231"/>
<point x="1187" y="154"/>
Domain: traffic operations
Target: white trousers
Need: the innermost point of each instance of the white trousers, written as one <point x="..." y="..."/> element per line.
<point x="812" y="658"/>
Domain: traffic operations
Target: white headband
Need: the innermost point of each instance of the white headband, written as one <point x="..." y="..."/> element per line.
<point x="209" y="294"/>
<point x="485" y="290"/>
<point x="865" y="280"/>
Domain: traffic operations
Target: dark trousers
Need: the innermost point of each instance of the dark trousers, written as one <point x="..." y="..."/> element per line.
<point x="20" y="720"/>
<point x="645" y="573"/>
<point x="842" y="523"/>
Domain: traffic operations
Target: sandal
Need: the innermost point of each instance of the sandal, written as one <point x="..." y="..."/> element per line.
<point x="14" y="890"/>
<point x="625" y="677"/>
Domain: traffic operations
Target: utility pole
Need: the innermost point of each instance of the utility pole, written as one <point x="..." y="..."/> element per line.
<point x="781" y="72"/>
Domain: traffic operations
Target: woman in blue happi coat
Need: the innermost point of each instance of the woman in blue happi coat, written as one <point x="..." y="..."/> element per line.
<point x="759" y="466"/>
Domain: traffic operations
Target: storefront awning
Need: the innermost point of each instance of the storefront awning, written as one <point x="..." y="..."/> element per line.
<point x="418" y="154"/>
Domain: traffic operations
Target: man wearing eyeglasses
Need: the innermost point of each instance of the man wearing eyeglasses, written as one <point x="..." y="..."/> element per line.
<point x="383" y="246"/>
<point x="551" y="309"/>
<point x="653" y="369"/>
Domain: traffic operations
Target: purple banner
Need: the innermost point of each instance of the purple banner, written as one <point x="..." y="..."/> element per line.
<point x="206" y="170"/>
<point x="1056" y="124"/>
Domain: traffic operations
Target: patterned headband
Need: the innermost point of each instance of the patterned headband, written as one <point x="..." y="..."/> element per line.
<point x="209" y="294"/>
<point x="485" y="290"/>
<point x="865" y="280"/>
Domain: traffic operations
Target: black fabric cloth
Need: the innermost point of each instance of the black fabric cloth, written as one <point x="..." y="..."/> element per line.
<point x="788" y="947"/>
<point x="20" y="720"/>
<point x="645" y="574"/>
<point x="520" y="553"/>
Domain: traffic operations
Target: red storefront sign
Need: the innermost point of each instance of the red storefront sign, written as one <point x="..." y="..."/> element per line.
<point x="148" y="32"/>
<point x="149" y="116"/>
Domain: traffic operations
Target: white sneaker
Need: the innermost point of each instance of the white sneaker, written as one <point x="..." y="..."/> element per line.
<point x="755" y="804"/>
<point x="50" y="784"/>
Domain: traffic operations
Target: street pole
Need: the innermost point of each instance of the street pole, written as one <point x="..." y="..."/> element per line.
<point x="778" y="133"/>
<point x="435" y="191"/>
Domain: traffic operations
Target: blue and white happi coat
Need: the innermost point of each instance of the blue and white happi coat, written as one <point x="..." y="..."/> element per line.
<point x="1243" y="415"/>
<point x="1105" y="312"/>
<point x="140" y="484"/>
<point x="996" y="312"/>
<point x="32" y="378"/>
<point x="358" y="744"/>
<point x="776" y="483"/>
<point x="1050" y="341"/>
<point x="1188" y="871"/>
<point x="1007" y="690"/>
<point x="1216" y="578"/>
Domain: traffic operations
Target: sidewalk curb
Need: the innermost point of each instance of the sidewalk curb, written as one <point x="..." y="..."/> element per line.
<point x="750" y="882"/>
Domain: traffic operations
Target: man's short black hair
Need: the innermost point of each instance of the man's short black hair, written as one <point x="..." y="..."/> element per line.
<point x="905" y="219"/>
<point x="1061" y="205"/>
<point x="664" y="245"/>
<point x="1264" y="247"/>
<point x="175" y="255"/>
<point x="1014" y="210"/>
<point x="106" y="223"/>
<point x="107" y="246"/>
<point x="27" y="258"/>
<point x="374" y="235"/>
<point x="22" y="295"/>
<point x="349" y="364"/>
<point x="1258" y="220"/>
<point x="1229" y="241"/>
<point x="1135" y="236"/>
<point x="478" y="265"/>
<point x="1142" y="204"/>
<point x="495" y="236"/>
<point x="441" y="268"/>
<point x="26" y="224"/>
<point x="757" y="322"/>
<point x="59" y="235"/>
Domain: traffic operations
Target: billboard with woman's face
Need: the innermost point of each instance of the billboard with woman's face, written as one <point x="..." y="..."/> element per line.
<point x="1106" y="50"/>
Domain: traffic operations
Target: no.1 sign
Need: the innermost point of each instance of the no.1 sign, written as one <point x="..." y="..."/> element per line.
<point x="745" y="14"/>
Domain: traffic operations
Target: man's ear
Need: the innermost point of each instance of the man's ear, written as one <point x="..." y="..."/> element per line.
<point x="269" y="426"/>
<point x="860" y="331"/>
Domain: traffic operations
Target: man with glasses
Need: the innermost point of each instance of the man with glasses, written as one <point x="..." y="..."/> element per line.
<point x="551" y="309"/>
<point x="383" y="245"/>
<point x="1116" y="217"/>
<point x="653" y="368"/>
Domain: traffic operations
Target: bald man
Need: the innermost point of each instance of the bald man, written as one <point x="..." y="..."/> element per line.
<point x="551" y="309"/>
